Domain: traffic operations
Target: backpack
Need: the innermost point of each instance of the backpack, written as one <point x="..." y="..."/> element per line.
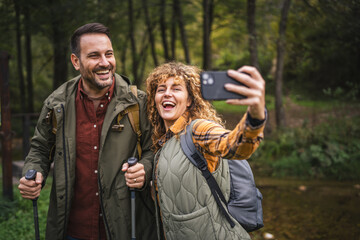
<point x="245" y="199"/>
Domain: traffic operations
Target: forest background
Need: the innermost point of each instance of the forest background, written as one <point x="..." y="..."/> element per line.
<point x="308" y="52"/>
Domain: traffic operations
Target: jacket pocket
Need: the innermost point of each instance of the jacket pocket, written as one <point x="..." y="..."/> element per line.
<point x="195" y="225"/>
<point x="122" y="192"/>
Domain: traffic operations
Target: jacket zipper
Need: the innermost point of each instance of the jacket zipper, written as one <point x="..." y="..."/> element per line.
<point x="66" y="171"/>
<point x="102" y="209"/>
<point x="101" y="200"/>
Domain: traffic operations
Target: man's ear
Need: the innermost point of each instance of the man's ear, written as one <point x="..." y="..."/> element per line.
<point x="75" y="62"/>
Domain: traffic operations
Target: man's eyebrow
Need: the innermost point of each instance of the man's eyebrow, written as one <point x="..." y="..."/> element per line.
<point x="91" y="53"/>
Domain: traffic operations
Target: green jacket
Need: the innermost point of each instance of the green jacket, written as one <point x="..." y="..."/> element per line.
<point x="115" y="148"/>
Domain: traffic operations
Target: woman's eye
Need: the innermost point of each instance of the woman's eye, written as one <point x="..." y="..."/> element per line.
<point x="160" y="90"/>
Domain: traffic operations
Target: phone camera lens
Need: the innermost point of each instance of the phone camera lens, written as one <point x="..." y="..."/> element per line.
<point x="211" y="81"/>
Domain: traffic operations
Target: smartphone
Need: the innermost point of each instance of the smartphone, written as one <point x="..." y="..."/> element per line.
<point x="212" y="86"/>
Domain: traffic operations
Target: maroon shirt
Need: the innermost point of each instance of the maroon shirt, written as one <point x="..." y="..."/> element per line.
<point x="85" y="220"/>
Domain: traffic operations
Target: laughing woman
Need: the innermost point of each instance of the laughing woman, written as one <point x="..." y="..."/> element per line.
<point x="187" y="208"/>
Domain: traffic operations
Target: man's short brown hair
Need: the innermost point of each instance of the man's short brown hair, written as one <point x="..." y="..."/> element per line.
<point x="87" y="28"/>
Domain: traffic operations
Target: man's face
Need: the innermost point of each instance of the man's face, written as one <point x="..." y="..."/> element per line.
<point x="96" y="63"/>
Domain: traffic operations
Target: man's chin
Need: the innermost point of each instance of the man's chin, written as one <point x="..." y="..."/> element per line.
<point x="104" y="83"/>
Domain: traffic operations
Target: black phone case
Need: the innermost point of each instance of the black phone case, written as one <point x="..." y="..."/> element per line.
<point x="212" y="86"/>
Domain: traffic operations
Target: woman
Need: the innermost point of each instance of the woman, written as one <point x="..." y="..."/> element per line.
<point x="187" y="208"/>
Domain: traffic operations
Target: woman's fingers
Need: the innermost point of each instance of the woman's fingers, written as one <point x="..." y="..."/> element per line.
<point x="254" y="90"/>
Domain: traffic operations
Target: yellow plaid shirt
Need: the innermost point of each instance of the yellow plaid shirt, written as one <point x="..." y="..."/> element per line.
<point x="214" y="142"/>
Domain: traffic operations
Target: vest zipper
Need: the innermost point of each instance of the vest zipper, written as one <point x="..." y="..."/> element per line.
<point x="158" y="229"/>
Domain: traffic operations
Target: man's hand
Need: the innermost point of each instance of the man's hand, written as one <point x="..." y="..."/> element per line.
<point x="135" y="175"/>
<point x="30" y="189"/>
<point x="255" y="90"/>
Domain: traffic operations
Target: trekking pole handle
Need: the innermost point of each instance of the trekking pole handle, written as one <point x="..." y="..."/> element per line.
<point x="132" y="161"/>
<point x="30" y="174"/>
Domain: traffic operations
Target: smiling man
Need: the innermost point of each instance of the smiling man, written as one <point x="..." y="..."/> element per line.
<point x="77" y="132"/>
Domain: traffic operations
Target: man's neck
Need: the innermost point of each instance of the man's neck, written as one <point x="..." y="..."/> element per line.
<point x="94" y="92"/>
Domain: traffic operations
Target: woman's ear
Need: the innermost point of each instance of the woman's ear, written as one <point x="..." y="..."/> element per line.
<point x="189" y="102"/>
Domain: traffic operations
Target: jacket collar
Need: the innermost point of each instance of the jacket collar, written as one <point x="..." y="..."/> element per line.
<point x="67" y="91"/>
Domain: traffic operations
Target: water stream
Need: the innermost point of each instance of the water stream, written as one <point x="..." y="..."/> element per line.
<point x="295" y="209"/>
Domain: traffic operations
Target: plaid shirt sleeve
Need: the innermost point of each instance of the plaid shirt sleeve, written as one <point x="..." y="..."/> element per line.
<point x="213" y="141"/>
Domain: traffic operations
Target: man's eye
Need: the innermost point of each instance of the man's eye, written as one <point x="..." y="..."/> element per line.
<point x="110" y="54"/>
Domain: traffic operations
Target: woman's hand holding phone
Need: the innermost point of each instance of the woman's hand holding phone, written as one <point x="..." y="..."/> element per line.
<point x="254" y="90"/>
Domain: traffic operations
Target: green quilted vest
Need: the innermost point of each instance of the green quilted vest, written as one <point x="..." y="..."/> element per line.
<point x="188" y="209"/>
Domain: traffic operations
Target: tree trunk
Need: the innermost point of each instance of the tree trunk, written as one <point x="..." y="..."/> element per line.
<point x="60" y="45"/>
<point x="208" y="6"/>
<point x="60" y="56"/>
<point x="29" y="69"/>
<point x="180" y="20"/>
<point x="133" y="44"/>
<point x="19" y="58"/>
<point x="150" y="31"/>
<point x="23" y="106"/>
<point x="173" y="32"/>
<point x="163" y="29"/>
<point x="123" y="56"/>
<point x="251" y="6"/>
<point x="279" y="109"/>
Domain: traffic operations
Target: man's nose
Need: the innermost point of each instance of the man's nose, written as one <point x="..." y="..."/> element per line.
<point x="104" y="61"/>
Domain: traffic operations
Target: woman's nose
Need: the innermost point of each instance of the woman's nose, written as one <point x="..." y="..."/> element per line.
<point x="168" y="92"/>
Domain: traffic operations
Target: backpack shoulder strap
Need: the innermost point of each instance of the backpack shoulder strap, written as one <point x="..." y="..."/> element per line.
<point x="134" y="118"/>
<point x="200" y="162"/>
<point x="188" y="145"/>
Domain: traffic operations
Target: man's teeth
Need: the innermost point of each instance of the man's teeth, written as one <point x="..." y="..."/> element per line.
<point x="103" y="72"/>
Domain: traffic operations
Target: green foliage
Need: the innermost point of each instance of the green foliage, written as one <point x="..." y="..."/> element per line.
<point x="330" y="150"/>
<point x="323" y="60"/>
<point x="17" y="219"/>
<point x="223" y="107"/>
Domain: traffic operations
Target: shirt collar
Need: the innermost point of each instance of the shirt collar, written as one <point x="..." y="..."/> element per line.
<point x="180" y="124"/>
<point x="175" y="129"/>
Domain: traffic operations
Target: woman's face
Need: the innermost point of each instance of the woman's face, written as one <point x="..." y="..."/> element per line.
<point x="171" y="100"/>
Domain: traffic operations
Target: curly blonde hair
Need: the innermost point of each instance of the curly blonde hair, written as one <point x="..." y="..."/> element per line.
<point x="199" y="108"/>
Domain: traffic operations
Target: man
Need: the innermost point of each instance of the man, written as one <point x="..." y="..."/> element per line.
<point x="78" y="131"/>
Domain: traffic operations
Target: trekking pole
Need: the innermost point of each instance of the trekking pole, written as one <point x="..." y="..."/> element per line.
<point x="132" y="161"/>
<point x="31" y="175"/>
